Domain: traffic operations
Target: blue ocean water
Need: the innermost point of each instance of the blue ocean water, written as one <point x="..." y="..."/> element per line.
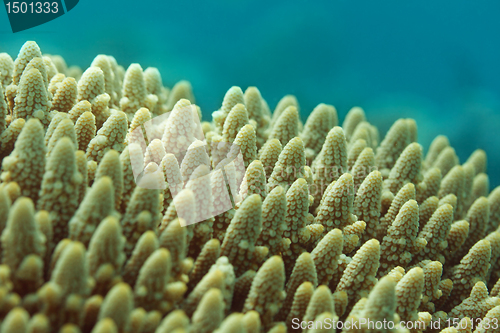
<point x="437" y="62"/>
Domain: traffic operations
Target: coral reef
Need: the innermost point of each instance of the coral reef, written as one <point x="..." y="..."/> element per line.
<point x="121" y="211"/>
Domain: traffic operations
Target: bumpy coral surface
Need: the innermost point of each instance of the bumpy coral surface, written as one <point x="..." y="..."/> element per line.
<point x="122" y="211"/>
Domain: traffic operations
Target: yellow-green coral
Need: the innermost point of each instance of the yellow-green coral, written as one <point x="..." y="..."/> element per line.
<point x="387" y="232"/>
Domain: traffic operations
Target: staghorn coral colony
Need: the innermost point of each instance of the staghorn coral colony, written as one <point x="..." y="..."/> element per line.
<point x="326" y="222"/>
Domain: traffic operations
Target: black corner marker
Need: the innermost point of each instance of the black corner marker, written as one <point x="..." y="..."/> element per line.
<point x="26" y="14"/>
<point x="70" y="4"/>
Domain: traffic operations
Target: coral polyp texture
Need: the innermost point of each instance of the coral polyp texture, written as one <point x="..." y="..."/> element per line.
<point x="122" y="210"/>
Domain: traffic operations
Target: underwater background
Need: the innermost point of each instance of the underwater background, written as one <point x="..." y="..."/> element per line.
<point x="436" y="62"/>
